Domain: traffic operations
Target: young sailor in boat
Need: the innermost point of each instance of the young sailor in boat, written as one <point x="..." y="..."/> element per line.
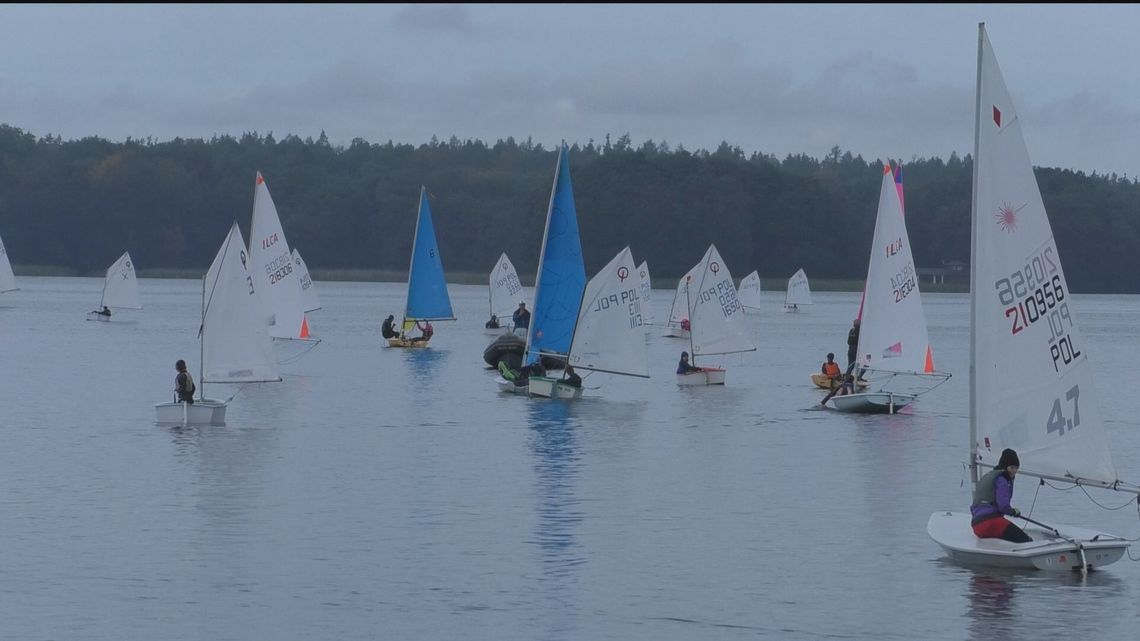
<point x="521" y="317"/>
<point x="992" y="495"/>
<point x="684" y="367"/>
<point x="846" y="387"/>
<point x="183" y="383"/>
<point x="572" y="378"/>
<point x="852" y="343"/>
<point x="831" y="370"/>
<point x="426" y="331"/>
<point x="104" y="312"/>
<point x="493" y="323"/>
<point x="386" y="330"/>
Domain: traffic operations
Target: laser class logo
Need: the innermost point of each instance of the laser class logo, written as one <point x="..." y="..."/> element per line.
<point x="1007" y="217"/>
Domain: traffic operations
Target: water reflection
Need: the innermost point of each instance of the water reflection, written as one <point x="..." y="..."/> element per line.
<point x="991" y="598"/>
<point x="557" y="465"/>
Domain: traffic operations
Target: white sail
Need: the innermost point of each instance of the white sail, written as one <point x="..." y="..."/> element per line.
<point x="609" y="334"/>
<point x="121" y="288"/>
<point x="506" y="289"/>
<point x="276" y="280"/>
<point x="646" y="293"/>
<point x="7" y="278"/>
<point x="750" y="291"/>
<point x="235" y="346"/>
<point x="309" y="299"/>
<point x="716" y="318"/>
<point x="680" y="309"/>
<point x="798" y="293"/>
<point x="893" y="329"/>
<point x="1032" y="388"/>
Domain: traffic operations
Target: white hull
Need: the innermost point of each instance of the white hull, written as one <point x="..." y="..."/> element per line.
<point x="552" y="388"/>
<point x="791" y="310"/>
<point x="200" y="412"/>
<point x="509" y="386"/>
<point x="871" y="402"/>
<point x="710" y="376"/>
<point x="1046" y="551"/>
<point x="96" y="316"/>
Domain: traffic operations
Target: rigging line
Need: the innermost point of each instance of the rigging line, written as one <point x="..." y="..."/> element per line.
<point x="309" y="349"/>
<point x="1105" y="507"/>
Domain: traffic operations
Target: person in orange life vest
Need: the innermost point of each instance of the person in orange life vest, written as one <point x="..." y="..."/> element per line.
<point x="831" y="370"/>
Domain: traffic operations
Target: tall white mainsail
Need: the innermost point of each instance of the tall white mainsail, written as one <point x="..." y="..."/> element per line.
<point x="121" y="287"/>
<point x="7" y="278"/>
<point x="680" y="309"/>
<point x="750" y="291"/>
<point x="798" y="292"/>
<point x="1032" y="388"/>
<point x="893" y="329"/>
<point x="646" y="293"/>
<point x="277" y="282"/>
<point x="235" y="346"/>
<point x="716" y="317"/>
<point x="308" y="288"/>
<point x="505" y="288"/>
<point x="609" y="334"/>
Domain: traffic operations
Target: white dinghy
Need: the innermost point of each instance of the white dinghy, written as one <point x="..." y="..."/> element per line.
<point x="798" y="292"/>
<point x="677" y="326"/>
<point x="896" y="357"/>
<point x="120" y="289"/>
<point x="749" y="292"/>
<point x="278" y="283"/>
<point x="504" y="295"/>
<point x="308" y="287"/>
<point x="717" y="320"/>
<point x="1031" y="384"/>
<point x="646" y="295"/>
<point x="235" y="347"/>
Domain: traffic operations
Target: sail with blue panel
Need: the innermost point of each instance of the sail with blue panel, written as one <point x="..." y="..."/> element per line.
<point x="427" y="290"/>
<point x="561" y="272"/>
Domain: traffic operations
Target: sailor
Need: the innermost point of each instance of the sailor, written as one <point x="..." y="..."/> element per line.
<point x="831" y="370"/>
<point x="386" y="330"/>
<point x="992" y="496"/>
<point x="521" y="317"/>
<point x="183" y="383"/>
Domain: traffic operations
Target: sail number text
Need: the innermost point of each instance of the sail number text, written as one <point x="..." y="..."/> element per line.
<point x="511" y="282"/>
<point x="724" y="294"/>
<point x="629" y="298"/>
<point x="279" y="268"/>
<point x="903" y="283"/>
<point x="1037" y="292"/>
<point x="1057" y="421"/>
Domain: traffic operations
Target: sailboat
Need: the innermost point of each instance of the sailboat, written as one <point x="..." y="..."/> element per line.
<point x="7" y="278"/>
<point x="1031" y="384"/>
<point x="609" y="334"/>
<point x="678" y="324"/>
<point x="120" y="289"/>
<point x="717" y="319"/>
<point x="897" y="359"/>
<point x="798" y="292"/>
<point x="560" y="283"/>
<point x="646" y="295"/>
<point x="504" y="292"/>
<point x="309" y="300"/>
<point x="277" y="282"/>
<point x="427" y="290"/>
<point x="749" y="292"/>
<point x="235" y="348"/>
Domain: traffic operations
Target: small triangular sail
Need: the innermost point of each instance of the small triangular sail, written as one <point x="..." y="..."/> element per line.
<point x="717" y="323"/>
<point x="1032" y="385"/>
<point x="235" y="346"/>
<point x="120" y="287"/>
<point x="427" y="289"/>
<point x="646" y="293"/>
<point x="278" y="283"/>
<point x="308" y="289"/>
<point x="750" y="291"/>
<point x="561" y="271"/>
<point x="609" y="336"/>
<point x="680" y="309"/>
<point x="506" y="290"/>
<point x="798" y="292"/>
<point x="7" y="278"/>
<point x="893" y="328"/>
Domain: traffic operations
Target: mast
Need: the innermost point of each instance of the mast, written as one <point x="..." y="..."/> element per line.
<point x="542" y="254"/>
<point x="202" y="344"/>
<point x="689" y="309"/>
<point x="974" y="267"/>
<point x="412" y="262"/>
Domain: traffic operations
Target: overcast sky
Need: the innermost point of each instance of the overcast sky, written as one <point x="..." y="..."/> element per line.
<point x="884" y="81"/>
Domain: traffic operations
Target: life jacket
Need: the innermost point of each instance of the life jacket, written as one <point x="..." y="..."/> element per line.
<point x="831" y="369"/>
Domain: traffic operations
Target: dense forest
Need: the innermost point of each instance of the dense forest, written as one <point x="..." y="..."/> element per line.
<point x="79" y="204"/>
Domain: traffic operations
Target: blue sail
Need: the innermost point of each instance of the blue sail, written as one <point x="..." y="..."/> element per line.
<point x="561" y="272"/>
<point x="427" y="290"/>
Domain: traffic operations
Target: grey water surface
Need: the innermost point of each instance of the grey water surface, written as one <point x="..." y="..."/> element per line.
<point x="379" y="493"/>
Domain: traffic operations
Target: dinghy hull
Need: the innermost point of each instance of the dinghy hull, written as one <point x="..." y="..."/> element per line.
<point x="952" y="531"/>
<point x="710" y="376"/>
<point x="871" y="402"/>
<point x="547" y="387"/>
<point x="405" y="342"/>
<point x="829" y="384"/>
<point x="200" y="412"/>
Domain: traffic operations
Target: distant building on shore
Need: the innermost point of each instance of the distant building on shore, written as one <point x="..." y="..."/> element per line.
<point x="955" y="271"/>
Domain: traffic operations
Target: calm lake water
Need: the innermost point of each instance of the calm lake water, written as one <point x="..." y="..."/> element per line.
<point x="395" y="494"/>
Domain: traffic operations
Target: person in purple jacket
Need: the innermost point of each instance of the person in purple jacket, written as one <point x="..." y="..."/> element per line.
<point x="992" y="495"/>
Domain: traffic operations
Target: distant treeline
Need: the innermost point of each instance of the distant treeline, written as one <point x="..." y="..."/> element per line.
<point x="79" y="204"/>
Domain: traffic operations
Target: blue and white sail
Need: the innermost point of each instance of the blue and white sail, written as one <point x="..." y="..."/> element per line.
<point x="561" y="272"/>
<point x="427" y="290"/>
